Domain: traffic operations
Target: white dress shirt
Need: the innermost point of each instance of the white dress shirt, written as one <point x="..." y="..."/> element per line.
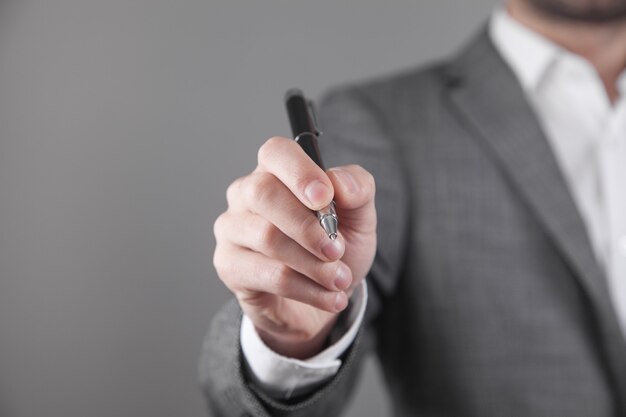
<point x="588" y="136"/>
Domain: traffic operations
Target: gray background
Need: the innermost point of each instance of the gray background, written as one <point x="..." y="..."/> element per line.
<point x="121" y="124"/>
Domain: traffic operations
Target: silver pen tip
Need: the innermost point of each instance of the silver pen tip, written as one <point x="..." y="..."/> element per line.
<point x="329" y="224"/>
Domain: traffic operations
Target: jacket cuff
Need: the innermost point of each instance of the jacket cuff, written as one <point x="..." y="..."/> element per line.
<point x="282" y="377"/>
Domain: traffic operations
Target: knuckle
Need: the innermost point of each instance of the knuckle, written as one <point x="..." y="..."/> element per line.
<point x="227" y="271"/>
<point x="278" y="278"/>
<point x="233" y="190"/>
<point x="219" y="226"/>
<point x="220" y="265"/>
<point x="216" y="260"/>
<point x="266" y="237"/>
<point x="258" y="187"/>
<point x="269" y="148"/>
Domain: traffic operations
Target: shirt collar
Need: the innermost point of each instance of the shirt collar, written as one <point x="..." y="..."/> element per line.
<point x="529" y="54"/>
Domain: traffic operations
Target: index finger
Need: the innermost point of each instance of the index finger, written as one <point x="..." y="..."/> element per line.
<point x="285" y="159"/>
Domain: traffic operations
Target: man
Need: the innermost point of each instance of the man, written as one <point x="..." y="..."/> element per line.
<point x="496" y="273"/>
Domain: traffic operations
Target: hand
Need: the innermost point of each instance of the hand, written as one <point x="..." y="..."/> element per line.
<point x="290" y="279"/>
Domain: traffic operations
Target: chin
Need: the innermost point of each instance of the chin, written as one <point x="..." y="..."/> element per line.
<point x="589" y="11"/>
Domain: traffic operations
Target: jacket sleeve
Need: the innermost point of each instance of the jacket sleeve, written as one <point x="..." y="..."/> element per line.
<point x="355" y="132"/>
<point x="230" y="394"/>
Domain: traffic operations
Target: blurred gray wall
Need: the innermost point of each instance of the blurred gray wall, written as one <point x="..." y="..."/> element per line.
<point x="121" y="124"/>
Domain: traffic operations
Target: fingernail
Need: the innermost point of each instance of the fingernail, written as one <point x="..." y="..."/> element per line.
<point x="341" y="301"/>
<point x="346" y="180"/>
<point x="316" y="192"/>
<point x="343" y="280"/>
<point x="332" y="249"/>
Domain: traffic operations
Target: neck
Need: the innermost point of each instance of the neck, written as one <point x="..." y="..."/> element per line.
<point x="602" y="44"/>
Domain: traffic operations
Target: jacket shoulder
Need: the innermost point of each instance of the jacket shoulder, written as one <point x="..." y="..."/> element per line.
<point x="394" y="90"/>
<point x="397" y="102"/>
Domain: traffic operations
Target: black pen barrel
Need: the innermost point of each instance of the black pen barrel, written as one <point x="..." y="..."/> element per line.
<point x="298" y="113"/>
<point x="302" y="124"/>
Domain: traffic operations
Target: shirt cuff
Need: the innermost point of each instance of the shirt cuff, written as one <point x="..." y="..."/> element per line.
<point x="282" y="377"/>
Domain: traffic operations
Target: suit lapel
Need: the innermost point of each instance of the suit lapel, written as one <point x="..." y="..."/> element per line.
<point x="490" y="100"/>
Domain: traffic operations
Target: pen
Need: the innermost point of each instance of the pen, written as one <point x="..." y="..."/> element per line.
<point x="306" y="134"/>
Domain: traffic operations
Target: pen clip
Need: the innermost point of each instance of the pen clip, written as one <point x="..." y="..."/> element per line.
<point x="311" y="108"/>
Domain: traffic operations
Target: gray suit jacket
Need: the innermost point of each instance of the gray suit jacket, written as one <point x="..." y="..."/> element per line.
<point x="485" y="296"/>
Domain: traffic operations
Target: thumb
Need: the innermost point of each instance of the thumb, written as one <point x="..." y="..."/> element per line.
<point x="354" y="198"/>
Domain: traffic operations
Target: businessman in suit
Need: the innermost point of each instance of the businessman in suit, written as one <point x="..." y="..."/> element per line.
<point x="482" y="253"/>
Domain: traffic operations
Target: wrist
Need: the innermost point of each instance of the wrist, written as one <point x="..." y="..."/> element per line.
<point x="298" y="345"/>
